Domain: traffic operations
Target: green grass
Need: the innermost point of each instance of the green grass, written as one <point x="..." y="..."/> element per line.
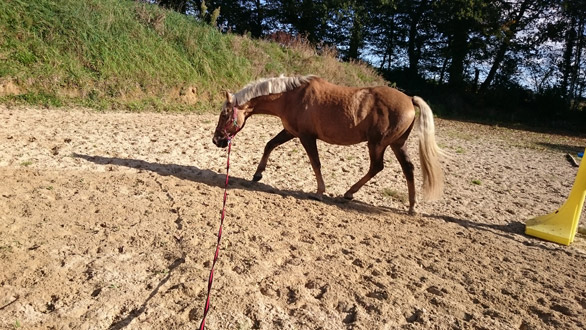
<point x="393" y="194"/>
<point x="6" y="248"/>
<point x="122" y="54"/>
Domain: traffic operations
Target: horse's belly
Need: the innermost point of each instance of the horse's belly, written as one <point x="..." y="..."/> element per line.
<point x="342" y="137"/>
<point x="342" y="131"/>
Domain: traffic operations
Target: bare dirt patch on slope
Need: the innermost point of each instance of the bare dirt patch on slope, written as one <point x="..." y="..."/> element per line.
<point x="109" y="221"/>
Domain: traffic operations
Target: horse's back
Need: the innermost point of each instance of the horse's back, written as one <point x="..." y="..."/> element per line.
<point x="361" y="101"/>
<point x="338" y="114"/>
<point x="349" y="115"/>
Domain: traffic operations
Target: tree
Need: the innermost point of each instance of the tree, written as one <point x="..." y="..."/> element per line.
<point x="181" y="6"/>
<point x="515" y="15"/>
<point x="239" y="16"/>
<point x="305" y="17"/>
<point x="414" y="18"/>
<point x="573" y="24"/>
<point x="350" y="19"/>
<point x="457" y="21"/>
<point x="381" y="34"/>
<point x="463" y="40"/>
<point x="356" y="41"/>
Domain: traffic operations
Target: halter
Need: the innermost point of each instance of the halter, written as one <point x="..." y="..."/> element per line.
<point x="233" y="123"/>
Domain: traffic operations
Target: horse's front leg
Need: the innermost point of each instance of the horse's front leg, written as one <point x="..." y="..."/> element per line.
<point x="310" y="145"/>
<point x="376" y="152"/>
<point x="279" y="139"/>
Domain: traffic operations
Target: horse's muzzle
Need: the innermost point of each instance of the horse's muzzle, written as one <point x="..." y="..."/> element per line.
<point x="220" y="142"/>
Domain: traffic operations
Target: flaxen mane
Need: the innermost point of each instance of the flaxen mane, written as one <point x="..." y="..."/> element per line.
<point x="268" y="86"/>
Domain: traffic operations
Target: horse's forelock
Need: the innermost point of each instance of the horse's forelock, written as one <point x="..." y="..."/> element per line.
<point x="225" y="108"/>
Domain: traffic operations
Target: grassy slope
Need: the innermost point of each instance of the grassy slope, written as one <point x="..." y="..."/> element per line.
<point x="130" y="55"/>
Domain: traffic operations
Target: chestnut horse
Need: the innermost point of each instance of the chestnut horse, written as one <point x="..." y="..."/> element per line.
<point x="311" y="108"/>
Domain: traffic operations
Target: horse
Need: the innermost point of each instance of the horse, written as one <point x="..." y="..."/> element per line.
<point x="312" y="108"/>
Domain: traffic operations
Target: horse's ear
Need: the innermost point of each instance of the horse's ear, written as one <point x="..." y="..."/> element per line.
<point x="229" y="97"/>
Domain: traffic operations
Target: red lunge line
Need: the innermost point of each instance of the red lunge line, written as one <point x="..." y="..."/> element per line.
<point x="211" y="277"/>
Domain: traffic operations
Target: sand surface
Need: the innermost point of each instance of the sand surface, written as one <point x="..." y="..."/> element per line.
<point x="110" y="220"/>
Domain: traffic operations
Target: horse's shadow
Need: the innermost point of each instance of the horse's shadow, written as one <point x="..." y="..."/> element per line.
<point x="214" y="179"/>
<point x="513" y="230"/>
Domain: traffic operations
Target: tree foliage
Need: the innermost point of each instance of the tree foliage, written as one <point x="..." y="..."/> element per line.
<point x="472" y="46"/>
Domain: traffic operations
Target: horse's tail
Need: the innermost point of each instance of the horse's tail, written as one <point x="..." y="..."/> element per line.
<point x="429" y="153"/>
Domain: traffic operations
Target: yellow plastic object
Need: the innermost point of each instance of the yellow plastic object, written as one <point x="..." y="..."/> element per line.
<point x="561" y="226"/>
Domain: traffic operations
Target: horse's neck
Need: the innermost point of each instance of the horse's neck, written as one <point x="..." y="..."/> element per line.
<point x="269" y="105"/>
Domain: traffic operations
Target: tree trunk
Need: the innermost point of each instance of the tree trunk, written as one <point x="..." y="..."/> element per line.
<point x="502" y="50"/>
<point x="568" y="57"/>
<point x="257" y="29"/>
<point x="306" y="24"/>
<point x="413" y="48"/>
<point x="382" y="63"/>
<point x="575" y="88"/>
<point x="459" y="48"/>
<point x="391" y="44"/>
<point x="443" y="71"/>
<point x="355" y="37"/>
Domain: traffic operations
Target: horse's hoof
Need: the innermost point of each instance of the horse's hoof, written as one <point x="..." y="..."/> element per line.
<point x="348" y="197"/>
<point x="316" y="197"/>
<point x="412" y="211"/>
<point x="257" y="177"/>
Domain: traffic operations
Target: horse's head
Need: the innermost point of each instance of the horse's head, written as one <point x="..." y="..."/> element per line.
<point x="231" y="121"/>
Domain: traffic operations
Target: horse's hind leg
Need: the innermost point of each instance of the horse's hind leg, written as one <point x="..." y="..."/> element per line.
<point x="377" y="153"/>
<point x="407" y="166"/>
<point x="279" y="139"/>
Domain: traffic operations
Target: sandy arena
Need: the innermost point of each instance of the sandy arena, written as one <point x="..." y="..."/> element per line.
<point x="109" y="221"/>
